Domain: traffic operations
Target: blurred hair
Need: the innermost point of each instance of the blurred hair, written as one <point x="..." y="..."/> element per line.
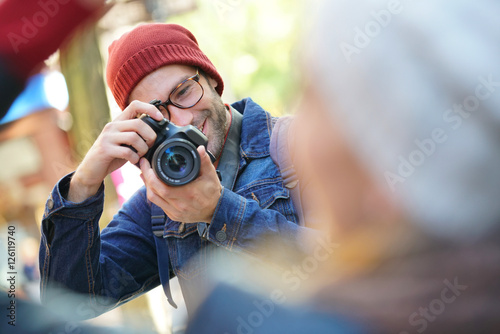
<point x="392" y="79"/>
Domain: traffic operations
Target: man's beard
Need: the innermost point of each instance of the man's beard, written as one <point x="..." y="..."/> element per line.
<point x="218" y="123"/>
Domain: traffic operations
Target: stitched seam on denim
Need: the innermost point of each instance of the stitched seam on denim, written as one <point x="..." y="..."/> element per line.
<point x="257" y="155"/>
<point x="79" y="217"/>
<point x="138" y="291"/>
<point x="268" y="123"/>
<point x="278" y="193"/>
<point x="216" y="211"/>
<point x="220" y="202"/>
<point x="230" y="242"/>
<point x="271" y="200"/>
<point x="188" y="231"/>
<point x="286" y="210"/>
<point x="45" y="270"/>
<point x="243" y="153"/>
<point x="239" y="220"/>
<point x="88" y="262"/>
<point x="263" y="181"/>
<point x="260" y="182"/>
<point x="290" y="210"/>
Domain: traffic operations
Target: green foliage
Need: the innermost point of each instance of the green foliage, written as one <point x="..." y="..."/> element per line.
<point x="251" y="42"/>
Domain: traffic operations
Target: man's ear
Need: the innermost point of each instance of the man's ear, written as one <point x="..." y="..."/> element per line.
<point x="212" y="82"/>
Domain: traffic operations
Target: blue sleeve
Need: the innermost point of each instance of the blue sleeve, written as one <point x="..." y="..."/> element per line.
<point x="108" y="268"/>
<point x="240" y="224"/>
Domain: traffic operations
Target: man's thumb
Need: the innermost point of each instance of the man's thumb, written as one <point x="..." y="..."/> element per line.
<point x="206" y="163"/>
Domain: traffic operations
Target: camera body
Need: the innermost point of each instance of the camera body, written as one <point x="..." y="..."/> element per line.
<point x="174" y="156"/>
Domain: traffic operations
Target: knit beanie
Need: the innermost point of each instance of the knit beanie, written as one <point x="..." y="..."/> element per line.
<point x="147" y="48"/>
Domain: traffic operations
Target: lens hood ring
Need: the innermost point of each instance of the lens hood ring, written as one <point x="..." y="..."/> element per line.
<point x="163" y="172"/>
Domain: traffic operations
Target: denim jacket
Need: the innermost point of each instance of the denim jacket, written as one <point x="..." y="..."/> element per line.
<point x="120" y="262"/>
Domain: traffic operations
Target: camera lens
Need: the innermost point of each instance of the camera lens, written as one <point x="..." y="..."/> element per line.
<point x="176" y="162"/>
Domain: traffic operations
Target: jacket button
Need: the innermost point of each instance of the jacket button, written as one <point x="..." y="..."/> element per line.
<point x="221" y="236"/>
<point x="50" y="204"/>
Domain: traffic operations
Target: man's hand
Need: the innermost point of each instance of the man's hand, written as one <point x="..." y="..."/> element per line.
<point x="190" y="203"/>
<point x="109" y="151"/>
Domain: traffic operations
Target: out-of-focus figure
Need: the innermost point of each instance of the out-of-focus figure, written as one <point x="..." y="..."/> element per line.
<point x="399" y="134"/>
<point x="30" y="31"/>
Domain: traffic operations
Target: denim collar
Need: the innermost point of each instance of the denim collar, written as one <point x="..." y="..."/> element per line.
<point x="254" y="142"/>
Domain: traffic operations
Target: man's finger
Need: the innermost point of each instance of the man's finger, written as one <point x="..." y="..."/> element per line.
<point x="145" y="167"/>
<point x="137" y="108"/>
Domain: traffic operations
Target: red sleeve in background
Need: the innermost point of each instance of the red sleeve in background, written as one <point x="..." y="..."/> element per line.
<point x="31" y="30"/>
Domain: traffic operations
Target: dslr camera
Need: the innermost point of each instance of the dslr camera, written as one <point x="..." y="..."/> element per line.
<point x="173" y="156"/>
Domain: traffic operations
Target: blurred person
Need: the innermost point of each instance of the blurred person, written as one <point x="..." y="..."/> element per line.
<point x="30" y="31"/>
<point x="29" y="260"/>
<point x="399" y="129"/>
<point x="162" y="226"/>
<point x="25" y="317"/>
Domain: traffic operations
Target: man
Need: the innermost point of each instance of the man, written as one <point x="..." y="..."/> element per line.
<point x="164" y="62"/>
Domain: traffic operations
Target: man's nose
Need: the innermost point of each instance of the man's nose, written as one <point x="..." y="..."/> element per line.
<point x="180" y="117"/>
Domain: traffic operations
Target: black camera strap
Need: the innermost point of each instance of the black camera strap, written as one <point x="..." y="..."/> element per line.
<point x="228" y="169"/>
<point x="158" y="218"/>
<point x="229" y="162"/>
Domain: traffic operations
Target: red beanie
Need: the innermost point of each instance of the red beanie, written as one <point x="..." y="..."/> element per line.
<point x="147" y="48"/>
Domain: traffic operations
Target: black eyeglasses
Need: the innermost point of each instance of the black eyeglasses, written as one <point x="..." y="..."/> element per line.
<point x="186" y="95"/>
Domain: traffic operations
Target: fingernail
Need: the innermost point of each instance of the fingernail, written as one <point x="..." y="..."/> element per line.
<point x="159" y="114"/>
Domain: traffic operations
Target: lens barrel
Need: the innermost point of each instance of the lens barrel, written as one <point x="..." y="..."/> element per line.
<point x="176" y="162"/>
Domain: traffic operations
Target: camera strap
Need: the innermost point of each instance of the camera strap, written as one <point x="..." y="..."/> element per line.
<point x="228" y="168"/>
<point x="158" y="218"/>
<point x="229" y="162"/>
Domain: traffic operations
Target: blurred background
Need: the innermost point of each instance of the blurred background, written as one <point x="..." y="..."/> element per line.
<point x="53" y="123"/>
<point x="440" y="225"/>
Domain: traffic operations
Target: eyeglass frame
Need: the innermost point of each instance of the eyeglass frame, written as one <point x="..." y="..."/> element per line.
<point x="158" y="103"/>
